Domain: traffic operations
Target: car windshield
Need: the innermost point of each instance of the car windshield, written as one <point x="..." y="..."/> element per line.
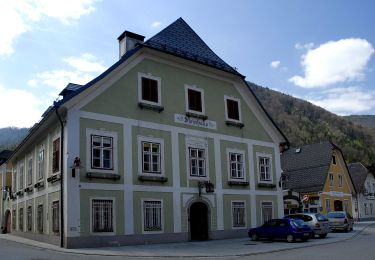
<point x="321" y="217"/>
<point x="297" y="222"/>
<point x="336" y="215"/>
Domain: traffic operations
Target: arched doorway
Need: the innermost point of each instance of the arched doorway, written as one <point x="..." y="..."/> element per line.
<point x="198" y="221"/>
<point x="338" y="205"/>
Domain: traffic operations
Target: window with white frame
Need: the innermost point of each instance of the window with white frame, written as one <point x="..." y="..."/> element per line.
<point x="328" y="205"/>
<point x="330" y="175"/>
<point x="149" y="89"/>
<point x="39" y="218"/>
<point x="232" y="109"/>
<point x="102" y="215"/>
<point x="365" y="207"/>
<point x="197" y="162"/>
<point x="20" y="219"/>
<point x="29" y="218"/>
<point x="56" y="155"/>
<point x="236" y="165"/>
<point x="371" y="208"/>
<point x="194" y="98"/>
<point x="41" y="164"/>
<point x="21" y="177"/>
<point x="14" y="216"/>
<point x="152" y="216"/>
<point x="101" y="151"/>
<point x="56" y="217"/>
<point x="264" y="164"/>
<point x="238" y="214"/>
<point x="14" y="187"/>
<point x="267" y="211"/>
<point x="151" y="157"/>
<point x="30" y="171"/>
<point x="340" y="180"/>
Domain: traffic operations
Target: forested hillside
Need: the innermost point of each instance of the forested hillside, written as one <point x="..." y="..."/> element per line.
<point x="364" y="120"/>
<point x="10" y="137"/>
<point x="305" y="123"/>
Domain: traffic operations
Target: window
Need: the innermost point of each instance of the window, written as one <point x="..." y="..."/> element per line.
<point x="366" y="209"/>
<point x="21" y="177"/>
<point x="29" y="218"/>
<point x="371" y="208"/>
<point x="236" y="165"/>
<point x="14" y="187"/>
<point x="39" y="218"/>
<point x="152" y="216"/>
<point x="14" y="219"/>
<point x="340" y="180"/>
<point x="102" y="215"/>
<point x="328" y="205"/>
<point x="267" y="211"/>
<point x="238" y="214"/>
<point x="330" y="179"/>
<point x="194" y="100"/>
<point x="149" y="89"/>
<point x="56" y="217"/>
<point x="20" y="219"/>
<point x="265" y="168"/>
<point x="30" y="172"/>
<point x="101" y="152"/>
<point x="41" y="164"/>
<point x="333" y="159"/>
<point x="56" y="155"/>
<point x="197" y="162"/>
<point x="151" y="157"/>
<point x="232" y="108"/>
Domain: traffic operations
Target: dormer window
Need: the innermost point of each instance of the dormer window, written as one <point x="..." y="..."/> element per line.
<point x="194" y="98"/>
<point x="333" y="160"/>
<point x="149" y="91"/>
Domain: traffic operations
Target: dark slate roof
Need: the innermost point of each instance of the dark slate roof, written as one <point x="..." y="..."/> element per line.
<point x="179" y="39"/>
<point x="358" y="173"/>
<point x="71" y="87"/>
<point x="305" y="168"/>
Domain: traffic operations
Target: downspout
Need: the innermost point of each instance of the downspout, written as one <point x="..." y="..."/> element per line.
<point x="61" y="176"/>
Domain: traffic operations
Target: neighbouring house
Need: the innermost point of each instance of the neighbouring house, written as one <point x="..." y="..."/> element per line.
<point x="169" y="144"/>
<point x="5" y="184"/>
<point x="319" y="174"/>
<point x="364" y="183"/>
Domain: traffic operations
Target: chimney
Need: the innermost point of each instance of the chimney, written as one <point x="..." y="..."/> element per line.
<point x="127" y="41"/>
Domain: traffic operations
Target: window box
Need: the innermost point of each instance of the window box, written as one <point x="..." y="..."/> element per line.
<point x="19" y="193"/>
<point x="54" y="178"/>
<point x="28" y="189"/>
<point x="153" y="178"/>
<point x="39" y="185"/>
<point x="191" y="114"/>
<point x="143" y="105"/>
<point x="238" y="183"/>
<point x="235" y="124"/>
<point x="267" y="185"/>
<point x="99" y="175"/>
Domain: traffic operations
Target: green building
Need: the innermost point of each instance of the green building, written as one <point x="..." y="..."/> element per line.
<point x="169" y="144"/>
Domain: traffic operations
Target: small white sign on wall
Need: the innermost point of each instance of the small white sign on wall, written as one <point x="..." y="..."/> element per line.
<point x="183" y="119"/>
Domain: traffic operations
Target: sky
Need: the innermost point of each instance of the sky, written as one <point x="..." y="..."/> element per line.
<point x="321" y="51"/>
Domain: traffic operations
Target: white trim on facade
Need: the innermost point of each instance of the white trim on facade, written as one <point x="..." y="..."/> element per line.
<point x="160" y="141"/>
<point x="195" y="88"/>
<point x="226" y="109"/>
<point x="196" y="143"/>
<point x="143" y="200"/>
<point x="148" y="76"/>
<point x="269" y="156"/>
<point x="245" y="214"/>
<point x="230" y="151"/>
<point x="113" y="216"/>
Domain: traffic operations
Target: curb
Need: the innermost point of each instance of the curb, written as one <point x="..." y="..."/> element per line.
<point x="72" y="251"/>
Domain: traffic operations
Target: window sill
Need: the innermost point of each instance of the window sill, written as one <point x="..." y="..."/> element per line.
<point x="97" y="175"/>
<point x="238" y="183"/>
<point x="267" y="185"/>
<point x="143" y="105"/>
<point x="54" y="178"/>
<point x="235" y="124"/>
<point x="153" y="178"/>
<point x="39" y="184"/>
<point x="192" y="114"/>
<point x="28" y="189"/>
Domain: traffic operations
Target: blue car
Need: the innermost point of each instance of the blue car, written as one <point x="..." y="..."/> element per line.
<point x="288" y="229"/>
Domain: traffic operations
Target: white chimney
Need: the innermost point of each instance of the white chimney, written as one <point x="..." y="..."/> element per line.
<point x="127" y="41"/>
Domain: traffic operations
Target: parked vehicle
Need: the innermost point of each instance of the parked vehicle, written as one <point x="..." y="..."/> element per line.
<point x="340" y="220"/>
<point x="281" y="229"/>
<point x="316" y="221"/>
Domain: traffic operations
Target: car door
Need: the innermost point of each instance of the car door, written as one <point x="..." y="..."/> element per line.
<point x="267" y="230"/>
<point x="280" y="229"/>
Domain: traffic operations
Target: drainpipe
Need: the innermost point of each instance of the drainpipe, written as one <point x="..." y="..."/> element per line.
<point x="61" y="176"/>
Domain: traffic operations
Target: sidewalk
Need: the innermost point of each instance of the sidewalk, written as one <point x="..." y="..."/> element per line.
<point x="212" y="248"/>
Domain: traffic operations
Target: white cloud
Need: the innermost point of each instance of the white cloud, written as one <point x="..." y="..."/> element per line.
<point x="345" y="101"/>
<point x="156" y="24"/>
<point x="83" y="69"/>
<point x="22" y="108"/>
<point x="19" y="16"/>
<point x="305" y="46"/>
<point x="275" y="64"/>
<point x="334" y="62"/>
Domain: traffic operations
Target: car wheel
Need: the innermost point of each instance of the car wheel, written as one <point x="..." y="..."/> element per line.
<point x="290" y="238"/>
<point x="254" y="237"/>
<point x="323" y="235"/>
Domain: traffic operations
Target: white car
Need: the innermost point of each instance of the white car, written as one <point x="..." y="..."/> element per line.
<point x="316" y="221"/>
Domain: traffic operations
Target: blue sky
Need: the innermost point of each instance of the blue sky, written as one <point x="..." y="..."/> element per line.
<point x="321" y="51"/>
